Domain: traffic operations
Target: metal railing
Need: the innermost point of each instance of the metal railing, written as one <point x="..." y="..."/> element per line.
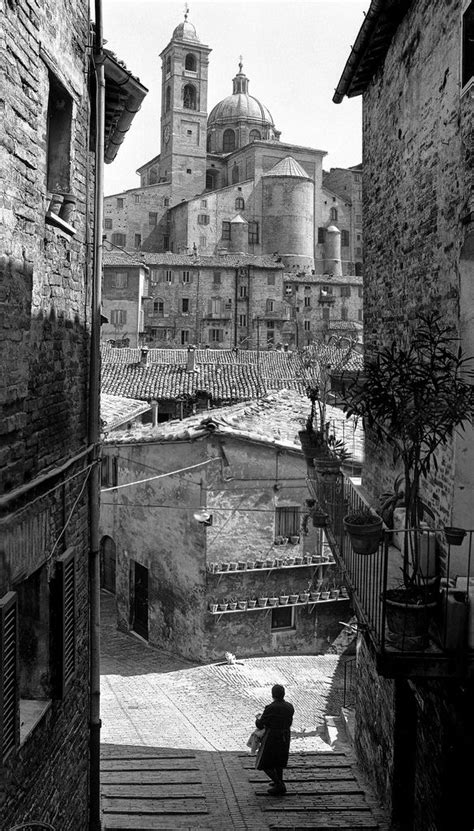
<point x="443" y="578"/>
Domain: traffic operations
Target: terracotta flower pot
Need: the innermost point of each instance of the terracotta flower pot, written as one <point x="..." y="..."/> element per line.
<point x="365" y="539"/>
<point x="454" y="536"/>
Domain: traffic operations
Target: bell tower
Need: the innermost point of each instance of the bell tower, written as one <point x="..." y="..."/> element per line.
<point x="185" y="64"/>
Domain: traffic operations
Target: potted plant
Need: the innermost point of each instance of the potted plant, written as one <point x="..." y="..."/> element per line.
<point x="304" y="597"/>
<point x="213" y="605"/>
<point x="314" y="596"/>
<point x="454" y="536"/>
<point x="223" y="605"/>
<point x="242" y="565"/>
<point x="242" y="605"/>
<point x="272" y="601"/>
<point x="294" y="539"/>
<point x="293" y="598"/>
<point x="365" y="529"/>
<point x="251" y="603"/>
<point x="283" y="599"/>
<point x="232" y="566"/>
<point x="262" y="601"/>
<point x="232" y="603"/>
<point x="224" y="567"/>
<point x="413" y="395"/>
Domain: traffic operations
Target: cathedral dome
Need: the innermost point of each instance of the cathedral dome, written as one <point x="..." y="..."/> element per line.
<point x="240" y="107"/>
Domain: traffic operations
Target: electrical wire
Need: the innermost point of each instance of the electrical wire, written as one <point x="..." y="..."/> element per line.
<point x="62" y="532"/>
<point x="9" y="517"/>
<point x="162" y="475"/>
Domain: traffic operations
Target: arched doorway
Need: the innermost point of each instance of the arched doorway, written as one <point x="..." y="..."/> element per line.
<point x="107" y="564"/>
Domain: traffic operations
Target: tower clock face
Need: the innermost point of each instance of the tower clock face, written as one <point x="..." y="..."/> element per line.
<point x="166" y="134"/>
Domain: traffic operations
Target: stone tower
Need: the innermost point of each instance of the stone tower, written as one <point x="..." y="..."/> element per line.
<point x="184" y="112"/>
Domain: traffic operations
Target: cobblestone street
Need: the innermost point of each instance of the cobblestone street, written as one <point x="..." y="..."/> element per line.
<point x="174" y="742"/>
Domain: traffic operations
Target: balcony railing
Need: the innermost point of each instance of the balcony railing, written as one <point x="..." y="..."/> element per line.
<point x="445" y="579"/>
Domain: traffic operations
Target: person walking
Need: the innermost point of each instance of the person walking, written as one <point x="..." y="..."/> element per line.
<point x="272" y="756"/>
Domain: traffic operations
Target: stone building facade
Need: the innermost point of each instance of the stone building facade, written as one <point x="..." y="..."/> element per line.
<point x="48" y="755"/>
<point x="230" y="516"/>
<point x="225" y="180"/>
<point x="415" y="71"/>
<point x="224" y="301"/>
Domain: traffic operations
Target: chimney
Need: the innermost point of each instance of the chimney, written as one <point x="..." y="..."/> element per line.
<point x="154" y="412"/>
<point x="191" y="364"/>
<point x="144" y="356"/>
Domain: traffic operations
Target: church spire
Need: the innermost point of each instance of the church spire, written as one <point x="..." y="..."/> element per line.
<point x="240" y="82"/>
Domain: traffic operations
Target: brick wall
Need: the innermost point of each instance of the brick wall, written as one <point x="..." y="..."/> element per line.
<point x="44" y="291"/>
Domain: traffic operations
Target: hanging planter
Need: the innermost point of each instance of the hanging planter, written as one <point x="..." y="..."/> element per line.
<point x="454" y="536"/>
<point x="327" y="467"/>
<point x="365" y="530"/>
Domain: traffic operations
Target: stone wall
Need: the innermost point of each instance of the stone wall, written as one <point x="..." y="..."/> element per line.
<point x="44" y="291"/>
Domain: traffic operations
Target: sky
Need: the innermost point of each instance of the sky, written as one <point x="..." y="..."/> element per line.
<point x="293" y="53"/>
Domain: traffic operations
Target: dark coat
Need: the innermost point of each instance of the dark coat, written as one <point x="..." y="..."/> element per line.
<point x="276" y="718"/>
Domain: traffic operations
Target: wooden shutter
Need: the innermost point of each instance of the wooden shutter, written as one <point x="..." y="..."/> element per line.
<point x="66" y="589"/>
<point x="9" y="681"/>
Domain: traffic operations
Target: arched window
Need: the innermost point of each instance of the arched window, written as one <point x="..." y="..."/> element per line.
<point x="208" y="143"/>
<point x="235" y="174"/>
<point x="334" y="214"/>
<point x="168" y="99"/>
<point x="168" y="65"/>
<point x="189" y="97"/>
<point x="190" y="63"/>
<point x="239" y="204"/>
<point x="254" y="135"/>
<point x="228" y="141"/>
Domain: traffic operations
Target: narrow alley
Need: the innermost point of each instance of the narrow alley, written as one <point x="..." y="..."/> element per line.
<point x="174" y="736"/>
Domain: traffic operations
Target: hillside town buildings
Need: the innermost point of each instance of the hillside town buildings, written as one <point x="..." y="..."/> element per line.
<point x="53" y="152"/>
<point x="225" y="186"/>
<point x="413" y="64"/>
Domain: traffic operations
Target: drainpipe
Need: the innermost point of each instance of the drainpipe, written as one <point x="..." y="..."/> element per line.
<point x="94" y="432"/>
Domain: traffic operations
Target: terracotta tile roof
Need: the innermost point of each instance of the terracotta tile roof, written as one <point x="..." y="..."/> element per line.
<point x="274" y="420"/>
<point x="152" y="259"/>
<point x="227" y="374"/>
<point x="116" y="410"/>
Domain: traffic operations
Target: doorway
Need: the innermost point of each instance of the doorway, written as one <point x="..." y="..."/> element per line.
<point x="107" y="564"/>
<point x="139" y="600"/>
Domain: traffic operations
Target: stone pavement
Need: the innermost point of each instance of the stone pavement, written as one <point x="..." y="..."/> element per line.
<point x="174" y="742"/>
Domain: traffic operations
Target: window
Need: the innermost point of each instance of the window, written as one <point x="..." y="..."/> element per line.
<point x="283" y="617"/>
<point x="360" y="291"/>
<point x="307" y="302"/>
<point x="326" y="290"/>
<point x="358" y="269"/>
<point x="228" y="141"/>
<point x="202" y="242"/>
<point x="215" y="306"/>
<point x="253" y="232"/>
<point x="216" y="335"/>
<point x="239" y="204"/>
<point x="190" y="63"/>
<point x="152" y="218"/>
<point x="58" y="137"/>
<point x="166" y="242"/>
<point x="159" y="307"/>
<point x="226" y="230"/>
<point x="109" y="471"/>
<point x="136" y="198"/>
<point x="184" y="336"/>
<point x="358" y="219"/>
<point x="188" y="170"/>
<point x="287" y="521"/>
<point x="211" y="179"/>
<point x="120" y="279"/>
<point x="242" y="291"/>
<point x="270" y="306"/>
<point x="168" y="65"/>
<point x="66" y="592"/>
<point x="343" y="313"/>
<point x="345" y="291"/>
<point x="321" y="235"/>
<point x="168" y="99"/>
<point x="217" y="277"/>
<point x="359" y="252"/>
<point x="359" y="314"/>
<point x="254" y="135"/>
<point x="138" y="240"/>
<point x="9" y="674"/>
<point x="333" y="214"/>
<point x="189" y="97"/>
<point x="288" y="290"/>
<point x="203" y="203"/>
<point x="186" y="277"/>
<point x="242" y="320"/>
<point x="108" y="223"/>
<point x="307" y="326"/>
<point x="185" y="305"/>
<point x="120" y="203"/>
<point x="235" y="174"/>
<point x="119" y="239"/>
<point x="118" y="317"/>
<point x="468" y="45"/>
<point x="168" y="276"/>
<point x="166" y="201"/>
<point x="270" y="280"/>
<point x="325" y="313"/>
<point x="344" y="237"/>
<point x="203" y="219"/>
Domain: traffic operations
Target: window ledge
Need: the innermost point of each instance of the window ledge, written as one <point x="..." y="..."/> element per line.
<point x="64" y="227"/>
<point x="31" y="712"/>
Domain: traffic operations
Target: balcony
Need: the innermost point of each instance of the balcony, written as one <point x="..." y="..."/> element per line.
<point x="446" y="647"/>
<point x="280" y="311"/>
<point x="222" y="314"/>
<point x="326" y="297"/>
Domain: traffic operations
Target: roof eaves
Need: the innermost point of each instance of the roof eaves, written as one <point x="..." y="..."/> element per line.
<point x="123" y="98"/>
